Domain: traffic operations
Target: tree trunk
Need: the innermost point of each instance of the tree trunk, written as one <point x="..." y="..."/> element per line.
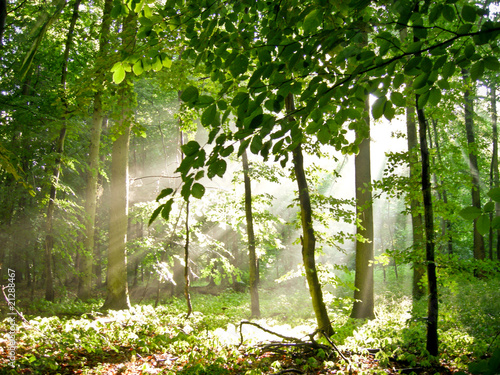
<point x="418" y="289"/>
<point x="187" y="294"/>
<point x="117" y="284"/>
<point x="49" y="224"/>
<point x="494" y="174"/>
<point x="363" y="295"/>
<point x="254" y="289"/>
<point x="308" y="239"/>
<point x="86" y="259"/>
<point x="432" y="308"/>
<point x="473" y="165"/>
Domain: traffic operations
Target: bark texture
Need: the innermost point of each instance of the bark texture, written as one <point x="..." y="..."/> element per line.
<point x="308" y="238"/>
<point x="254" y="291"/>
<point x="363" y="307"/>
<point x="432" y="307"/>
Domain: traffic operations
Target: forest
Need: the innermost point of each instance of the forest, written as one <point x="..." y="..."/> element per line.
<point x="249" y="187"/>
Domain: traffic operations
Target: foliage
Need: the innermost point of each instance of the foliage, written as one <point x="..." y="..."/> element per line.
<point x="80" y="338"/>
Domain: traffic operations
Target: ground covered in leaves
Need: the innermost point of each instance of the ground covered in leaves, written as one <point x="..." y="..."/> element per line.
<point x="75" y="338"/>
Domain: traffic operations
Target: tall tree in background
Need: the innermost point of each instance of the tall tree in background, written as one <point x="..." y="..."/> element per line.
<point x="418" y="289"/>
<point x="59" y="149"/>
<point x="473" y="164"/>
<point x="117" y="285"/>
<point x="253" y="270"/>
<point x="494" y="173"/>
<point x="363" y="307"/>
<point x="85" y="275"/>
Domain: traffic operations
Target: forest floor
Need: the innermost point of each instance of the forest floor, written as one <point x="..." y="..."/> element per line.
<point x="70" y="337"/>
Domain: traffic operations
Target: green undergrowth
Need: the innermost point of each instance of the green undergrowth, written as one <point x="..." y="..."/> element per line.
<point x="73" y="337"/>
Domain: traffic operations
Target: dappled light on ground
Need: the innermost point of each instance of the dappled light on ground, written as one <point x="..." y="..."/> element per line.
<point x="218" y="338"/>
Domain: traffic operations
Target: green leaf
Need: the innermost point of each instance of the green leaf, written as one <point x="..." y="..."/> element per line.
<point x="469" y="50"/>
<point x="495" y="223"/>
<point x="190" y="94"/>
<point x="137" y="68"/>
<point x="489" y="207"/>
<point x="256" y="121"/>
<point x="477" y="70"/>
<point x="434" y="96"/>
<point x="389" y="110"/>
<point x="378" y="107"/>
<point x="227" y="151"/>
<point x="494" y="194"/>
<point x="208" y="115"/>
<point x="470" y="213"/>
<point x="239" y="65"/>
<point x="256" y="144"/>
<point x="491" y="63"/>
<point x="164" y="193"/>
<point x="118" y="74"/>
<point x="167" y="208"/>
<point x="398" y="80"/>
<point x="449" y="13"/>
<point x="190" y="148"/>
<point x="243" y="146"/>
<point x="155" y="215"/>
<point x="198" y="190"/>
<point x="422" y="100"/>
<point x="217" y="168"/>
<point x="448" y="69"/>
<point x="469" y="13"/>
<point x="483" y="224"/>
<point x="398" y="99"/>
<point x="420" y="81"/>
<point x="312" y="21"/>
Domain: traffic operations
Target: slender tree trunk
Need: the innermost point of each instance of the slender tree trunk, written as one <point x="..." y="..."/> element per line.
<point x="254" y="289"/>
<point x="494" y="173"/>
<point x="186" y="249"/>
<point x="49" y="224"/>
<point x="432" y="308"/>
<point x="363" y="307"/>
<point x="418" y="290"/>
<point x="117" y="284"/>
<point x="308" y="238"/>
<point x="479" y="252"/>
<point x="86" y="259"/>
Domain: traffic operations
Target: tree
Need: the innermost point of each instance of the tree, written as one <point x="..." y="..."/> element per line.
<point x="473" y="164"/>
<point x="494" y="173"/>
<point x="85" y="279"/>
<point x="117" y="286"/>
<point x="49" y="238"/>
<point x="253" y="270"/>
<point x="432" y="309"/>
<point x="363" y="295"/>
<point x="418" y="289"/>
<point x="308" y="239"/>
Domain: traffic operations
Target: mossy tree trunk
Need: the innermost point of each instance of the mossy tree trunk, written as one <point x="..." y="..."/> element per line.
<point x="308" y="238"/>
<point x="254" y="290"/>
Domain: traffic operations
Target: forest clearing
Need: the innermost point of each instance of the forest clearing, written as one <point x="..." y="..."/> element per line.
<point x="249" y="187"/>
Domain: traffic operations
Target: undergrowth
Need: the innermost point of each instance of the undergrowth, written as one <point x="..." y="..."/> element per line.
<point x="73" y="337"/>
